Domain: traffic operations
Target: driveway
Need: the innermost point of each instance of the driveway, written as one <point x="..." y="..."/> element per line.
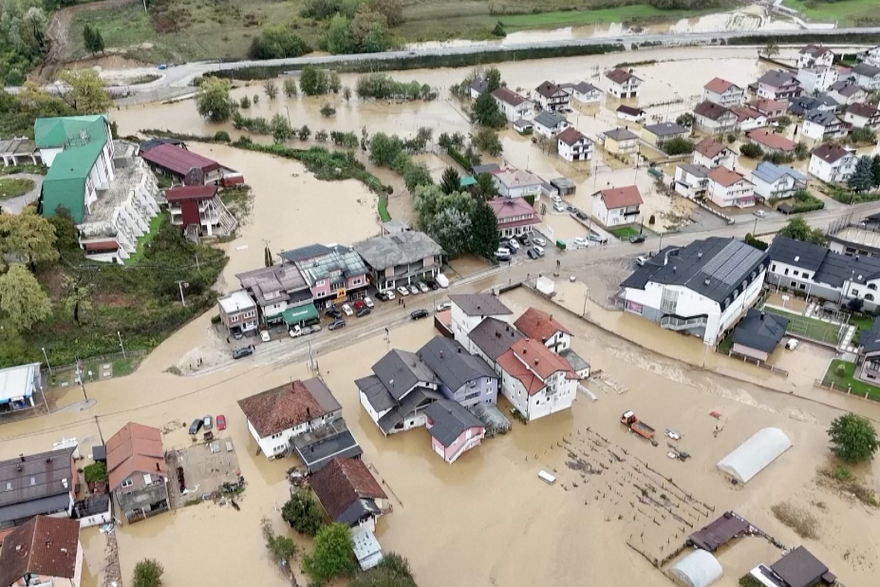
<point x="16" y="205"/>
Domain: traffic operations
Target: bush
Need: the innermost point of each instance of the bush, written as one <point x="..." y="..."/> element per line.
<point x="328" y="111"/>
<point x="96" y="472"/>
<point x="677" y="146"/>
<point x="652" y="220"/>
<point x="749" y="581"/>
<point x="277" y="42"/>
<point x="332" y="554"/>
<point x="754" y="242"/>
<point x="245" y="103"/>
<point x="862" y="135"/>
<point x="383" y="87"/>
<point x="751" y="150"/>
<point x="222" y="136"/>
<point x="853" y="438"/>
<point x="731" y="137"/>
<point x="842" y="473"/>
<point x="841" y="370"/>
<point x="148" y="573"/>
<point x="302" y="513"/>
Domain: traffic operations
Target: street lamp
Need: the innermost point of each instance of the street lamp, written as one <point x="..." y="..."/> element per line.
<point x="47" y="360"/>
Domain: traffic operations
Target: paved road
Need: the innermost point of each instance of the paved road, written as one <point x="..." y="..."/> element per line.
<point x="291" y="351"/>
<point x="16" y="205"/>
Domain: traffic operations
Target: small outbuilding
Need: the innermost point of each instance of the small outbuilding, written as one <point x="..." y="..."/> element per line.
<point x="755" y="454"/>
<point x="758" y="333"/>
<point x="698" y="569"/>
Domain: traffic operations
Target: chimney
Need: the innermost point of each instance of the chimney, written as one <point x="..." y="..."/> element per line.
<point x="63" y="550"/>
<point x="762" y="315"/>
<point x="158" y="468"/>
<point x="308" y="415"/>
<point x="536" y="360"/>
<point x="48" y="459"/>
<point x="700" y="255"/>
<point x="21" y="456"/>
<point x="65" y="484"/>
<point x="441" y="354"/>
<point x="706" y="281"/>
<point x="498" y="335"/>
<point x="459" y="350"/>
<point x="674" y="268"/>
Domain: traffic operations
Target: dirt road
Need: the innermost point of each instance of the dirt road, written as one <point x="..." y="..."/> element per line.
<point x="59" y="33"/>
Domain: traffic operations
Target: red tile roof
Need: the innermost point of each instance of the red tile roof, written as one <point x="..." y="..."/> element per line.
<point x="178" y="160"/>
<point x="621" y="197"/>
<point x="772" y="140"/>
<point x="719" y="86"/>
<point x="509" y="96"/>
<point x="108" y="246"/>
<point x="620" y="76"/>
<point x="709" y="147"/>
<point x="41" y="546"/>
<point x="765" y="105"/>
<point x="505" y="208"/>
<point x="538" y="324"/>
<point x="190" y="192"/>
<point x="135" y="449"/>
<point x="529" y="361"/>
<point x="570" y="136"/>
<point x="343" y="481"/>
<point x="745" y="112"/>
<point x="281" y="408"/>
<point x="725" y="176"/>
<point x="830" y="153"/>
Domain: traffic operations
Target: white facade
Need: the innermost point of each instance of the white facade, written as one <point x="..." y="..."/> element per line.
<point x="836" y="172"/>
<point x="740" y="193"/>
<point x="752" y="122"/>
<point x="871" y="56"/>
<point x="725" y="122"/>
<point x="859" y="120"/>
<point x="868" y="82"/>
<point x="513" y="111"/>
<point x="636" y="117"/>
<point x="817" y="78"/>
<point x="279" y="443"/>
<point x="628" y="89"/>
<point x="591" y="96"/>
<point x="581" y="150"/>
<point x="557" y="100"/>
<point x="784" y="187"/>
<point x="615" y="216"/>
<point x="851" y="94"/>
<point x="732" y="96"/>
<point x="819" y="132"/>
<point x="517" y="184"/>
<point x="811" y="56"/>
<point x="725" y="158"/>
<point x="557" y="394"/>
<point x="462" y="324"/>
<point x="689" y="184"/>
<point x="550" y="131"/>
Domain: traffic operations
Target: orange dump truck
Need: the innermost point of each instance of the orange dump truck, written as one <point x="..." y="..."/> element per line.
<point x="632" y="421"/>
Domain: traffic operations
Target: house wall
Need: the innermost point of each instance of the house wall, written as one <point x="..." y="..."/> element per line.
<point x="629" y="89"/>
<point x="614" y="216"/>
<point x="724" y="123"/>
<point x="860" y="121"/>
<point x="750" y="352"/>
<point x="559" y="342"/>
<point x="690" y="186"/>
<point x="793" y="277"/>
<point x="97" y="519"/>
<point x="731" y="97"/>
<point x="462" y="324"/>
<point x="740" y="194"/>
<point x="467" y="440"/>
<point x="725" y="159"/>
<point x="868" y="83"/>
<point x="591" y="97"/>
<point x="512" y="112"/>
<point x="816" y="80"/>
<point x="784" y="187"/>
<point x="625" y="147"/>
<point x="476" y="391"/>
<point x="839" y="171"/>
<point x="546" y="402"/>
<point x="812" y="130"/>
<point x="517" y="191"/>
<point x="580" y="151"/>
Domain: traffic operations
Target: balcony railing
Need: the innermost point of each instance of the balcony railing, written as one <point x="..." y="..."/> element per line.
<point x="676" y="324"/>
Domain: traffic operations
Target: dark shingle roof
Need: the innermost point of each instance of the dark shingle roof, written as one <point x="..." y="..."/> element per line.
<point x="549" y="119"/>
<point x="306" y="252"/>
<point x="710" y="110"/>
<point x="341" y="484"/>
<point x="869" y="339"/>
<point x="400" y="370"/>
<point x="450" y="420"/>
<point x="479" y="85"/>
<point x="760" y="330"/>
<point x="665" y="129"/>
<point x="38" y="484"/>
<point x="799" y="568"/>
<point x="494" y="337"/>
<point x="43" y="546"/>
<point x="776" y="78"/>
<point x="829" y="152"/>
<point x="713" y="267"/>
<point x="376" y="393"/>
<point x="479" y="304"/>
<point x="620" y="134"/>
<point x="453" y="365"/>
<point x="797" y="253"/>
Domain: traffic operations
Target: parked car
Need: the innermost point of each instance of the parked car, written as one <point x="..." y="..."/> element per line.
<point x="298" y="331"/>
<point x="760" y="213"/>
<point x="423" y="287"/>
<point x="502" y="254"/>
<point x="572" y="209"/>
<point x="347" y="309"/>
<point x="641" y="260"/>
<point x="523" y="238"/>
<point x="598" y="238"/>
<point x="419" y="314"/>
<point x="363" y="312"/>
<point x="639" y="238"/>
<point x="402" y="291"/>
<point x="264" y="336"/>
<point x="559" y="207"/>
<point x="443" y="306"/>
<point x="413" y="289"/>
<point x="196" y="426"/>
<point x="333" y="312"/>
<point x="442" y="280"/>
<point x="513" y="245"/>
<point x="581" y="214"/>
<point x="539" y="241"/>
<point x="358" y="304"/>
<point x="221" y="422"/>
<point x="368" y="302"/>
<point x="539" y="249"/>
<point x="243" y="352"/>
<point x="208" y="422"/>
<point x="580" y="242"/>
<point x="237" y="334"/>
<point x="532" y="253"/>
<point x="431" y="283"/>
<point x="338" y="323"/>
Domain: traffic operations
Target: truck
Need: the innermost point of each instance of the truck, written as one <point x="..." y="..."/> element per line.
<point x="298" y="331"/>
<point x="630" y="420"/>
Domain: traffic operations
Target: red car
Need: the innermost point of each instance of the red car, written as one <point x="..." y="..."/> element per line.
<point x="221" y="422"/>
<point x="359" y="305"/>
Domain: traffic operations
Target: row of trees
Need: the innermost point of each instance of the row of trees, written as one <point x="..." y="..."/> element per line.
<point x="278" y="42"/>
<point x="367" y="31"/>
<point x="23" y="41"/>
<point x="383" y="87"/>
<point x="866" y="175"/>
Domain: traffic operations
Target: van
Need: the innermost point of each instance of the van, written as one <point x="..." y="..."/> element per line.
<point x="641" y="260"/>
<point x="546" y="477"/>
<point x="539" y="249"/>
<point x="502" y="254"/>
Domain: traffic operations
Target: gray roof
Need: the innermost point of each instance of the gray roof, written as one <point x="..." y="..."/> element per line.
<point x="479" y="85"/>
<point x="695" y="170"/>
<point x="322" y="395"/>
<point x="867" y="70"/>
<point x="453" y="365"/>
<point x="799" y="568"/>
<point x="450" y="419"/>
<point x="845" y="88"/>
<point x="828" y="267"/>
<point x="494" y="337"/>
<point x="485" y="168"/>
<point x="714" y="267"/>
<point x="37" y="488"/>
<point x="479" y="304"/>
<point x="577" y="363"/>
<point x="869" y="339"/>
<point x="323" y="265"/>
<point x="316" y="448"/>
<point x="770" y="172"/>
<point x="665" y="129"/>
<point x="270" y="285"/>
<point x="382" y="252"/>
<point x="821" y="117"/>
<point x="582" y="87"/>
<point x="797" y="253"/>
<point x="376" y="393"/>
<point x="419" y="396"/>
<point x="549" y="119"/>
<point x="620" y="134"/>
<point x="776" y="78"/>
<point x="306" y="252"/>
<point x="399" y="371"/>
<point x="760" y="330"/>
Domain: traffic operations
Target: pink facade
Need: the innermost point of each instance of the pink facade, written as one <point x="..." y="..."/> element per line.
<point x="467" y="440"/>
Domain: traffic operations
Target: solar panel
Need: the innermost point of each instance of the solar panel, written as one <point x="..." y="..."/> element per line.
<point x="731" y="262"/>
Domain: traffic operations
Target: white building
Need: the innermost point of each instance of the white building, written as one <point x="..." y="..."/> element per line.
<point x="574" y="146"/>
<point x="630" y="113"/>
<point x="821" y="125"/>
<point x="617" y="206"/>
<point x="862" y="116"/>
<point x="468" y="310"/>
<point x="871" y="56"/>
<point x="511" y="104"/>
<point x="832" y="163"/>
<point x="815" y="55"/>
<point x="535" y="380"/>
<point x="18" y="385"/>
<point x="549" y="124"/>
<point x="775" y="182"/>
<point x="623" y="84"/>
<point x="515" y="183"/>
<point x="867" y="76"/>
<point x="584" y="93"/>
<point x="817" y="78"/>
<point x="711" y="153"/>
<point x="729" y="188"/>
<point x="551" y="97"/>
<point x="702" y="289"/>
<point x="539" y="325"/>
<point x="723" y="93"/>
<point x="712" y="118"/>
<point x="778" y="85"/>
<point x="747" y="118"/>
<point x="691" y="180"/>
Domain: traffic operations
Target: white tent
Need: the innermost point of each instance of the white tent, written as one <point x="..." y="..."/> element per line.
<point x="750" y="458"/>
<point x="698" y="569"/>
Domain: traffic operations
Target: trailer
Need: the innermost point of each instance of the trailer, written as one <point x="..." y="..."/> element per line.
<point x="547" y="477"/>
<point x="631" y="421"/>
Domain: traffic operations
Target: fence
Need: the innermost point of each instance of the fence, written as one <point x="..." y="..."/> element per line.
<point x="840" y="389"/>
<point x="93" y="369"/>
<point x="757" y="363"/>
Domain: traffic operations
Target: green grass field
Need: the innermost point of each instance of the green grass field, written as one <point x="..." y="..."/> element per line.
<point x="847" y="380"/>
<point x="624" y="232"/>
<point x="14" y="187"/>
<point x="155" y="223"/>
<point x="809" y="327"/>
<point x="846" y="12"/>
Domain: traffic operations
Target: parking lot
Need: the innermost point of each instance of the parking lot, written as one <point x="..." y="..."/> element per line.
<point x="205" y="467"/>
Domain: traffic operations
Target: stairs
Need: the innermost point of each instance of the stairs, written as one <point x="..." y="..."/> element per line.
<point x="225" y="219"/>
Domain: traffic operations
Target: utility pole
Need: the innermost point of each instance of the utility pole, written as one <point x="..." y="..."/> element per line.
<point x="47" y="361"/>
<point x="180" y="284"/>
<point x="121" y="345"/>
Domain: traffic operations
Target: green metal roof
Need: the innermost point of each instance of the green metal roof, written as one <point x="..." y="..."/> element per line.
<point x="58" y="131"/>
<point x="300" y="314"/>
<point x="468" y="180"/>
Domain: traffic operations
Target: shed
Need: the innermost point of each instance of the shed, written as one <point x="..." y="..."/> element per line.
<point x="698" y="569"/>
<point x="366" y="549"/>
<point x="758" y="334"/>
<point x="752" y="456"/>
<point x="719" y="532"/>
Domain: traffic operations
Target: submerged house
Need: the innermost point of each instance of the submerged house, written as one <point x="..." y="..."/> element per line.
<point x="349" y="494"/>
<point x="463" y="377"/>
<point x="137" y="472"/>
<point x="454" y="430"/>
<point x="44" y="552"/>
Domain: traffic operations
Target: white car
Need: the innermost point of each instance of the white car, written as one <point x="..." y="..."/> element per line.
<point x="444" y="306"/>
<point x="512" y="244"/>
<point x="760" y="213"/>
<point x="347" y="309"/>
<point x="539" y="241"/>
<point x="424" y="287"/>
<point x="442" y="280"/>
<point x="413" y="289"/>
<point x="580" y="242"/>
<point x="402" y="291"/>
<point x="641" y="260"/>
<point x="559" y="207"/>
<point x="264" y="336"/>
<point x="389" y="295"/>
<point x="369" y="302"/>
<point x="539" y="249"/>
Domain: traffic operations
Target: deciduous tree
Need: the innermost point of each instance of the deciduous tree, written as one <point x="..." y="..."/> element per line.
<point x="486" y="112"/>
<point x="22" y="299"/>
<point x="487" y="141"/>
<point x="486" y="187"/>
<point x="270" y="88"/>
<point x="392" y="10"/>
<point x="28" y="237"/>
<point x="332" y="554"/>
<point x="290" y="87"/>
<point x="493" y="79"/>
<point x="313" y="81"/>
<point x="303" y="513"/>
<point x="213" y="102"/>
<point x="334" y="84"/>
<point x="148" y="573"/>
<point x="346" y="94"/>
<point x="875" y="169"/>
<point x="416" y="174"/>
<point x="799" y="230"/>
<point x="281" y="548"/>
<point x="87" y="94"/>
<point x="384" y="148"/>
<point x="853" y="438"/>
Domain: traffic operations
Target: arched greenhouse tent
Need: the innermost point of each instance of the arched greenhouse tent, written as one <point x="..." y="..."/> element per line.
<point x="752" y="456"/>
<point x="698" y="569"/>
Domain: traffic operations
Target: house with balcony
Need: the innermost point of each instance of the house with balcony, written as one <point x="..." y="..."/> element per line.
<point x="711" y="118"/>
<point x="617" y="206"/>
<point x="551" y="97"/>
<point x="776" y="182"/>
<point x="822" y="126"/>
<point x="549" y="124"/>
<point x="464" y="378"/>
<point x="847" y="92"/>
<point x="454" y="430"/>
<point x="623" y="84"/>
<point x="870" y="56"/>
<point x="711" y="153"/>
<point x="747" y="118"/>
<point x="334" y="273"/>
<point x="514" y="216"/>
<point x="137" y="473"/>
<point x="572" y="145"/>
<point x="868" y="362"/>
<point x="862" y="116"/>
<point x="803" y="104"/>
<point x="832" y="163"/>
<point x="584" y="93"/>
<point x="511" y="104"/>
<point x="540" y="325"/>
<point x="817" y="79"/>
<point x="404" y="258"/>
<point x="702" y="289"/>
<point x="43" y="552"/>
<point x="724" y="93"/>
<point x="772" y="142"/>
<point x="691" y="180"/>
<point x="630" y="114"/>
<point x="772" y="109"/>
<point x="187" y="167"/>
<point x="275" y="289"/>
<point x="659" y="133"/>
<point x="729" y="188"/>
<point x="238" y="312"/>
<point x="620" y="141"/>
<point x="396" y="395"/>
<point x="867" y="76"/>
<point x="815" y="55"/>
<point x="778" y="85"/>
<point x="37" y="484"/>
<point x="536" y="381"/>
<point x="349" y="494"/>
<point x="199" y="206"/>
<point x="516" y="183"/>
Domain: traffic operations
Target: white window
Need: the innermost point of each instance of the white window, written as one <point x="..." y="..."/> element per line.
<point x="147" y="479"/>
<point x="127" y="483"/>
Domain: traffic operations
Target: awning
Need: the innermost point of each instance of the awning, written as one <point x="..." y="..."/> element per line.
<point x="300" y="314"/>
